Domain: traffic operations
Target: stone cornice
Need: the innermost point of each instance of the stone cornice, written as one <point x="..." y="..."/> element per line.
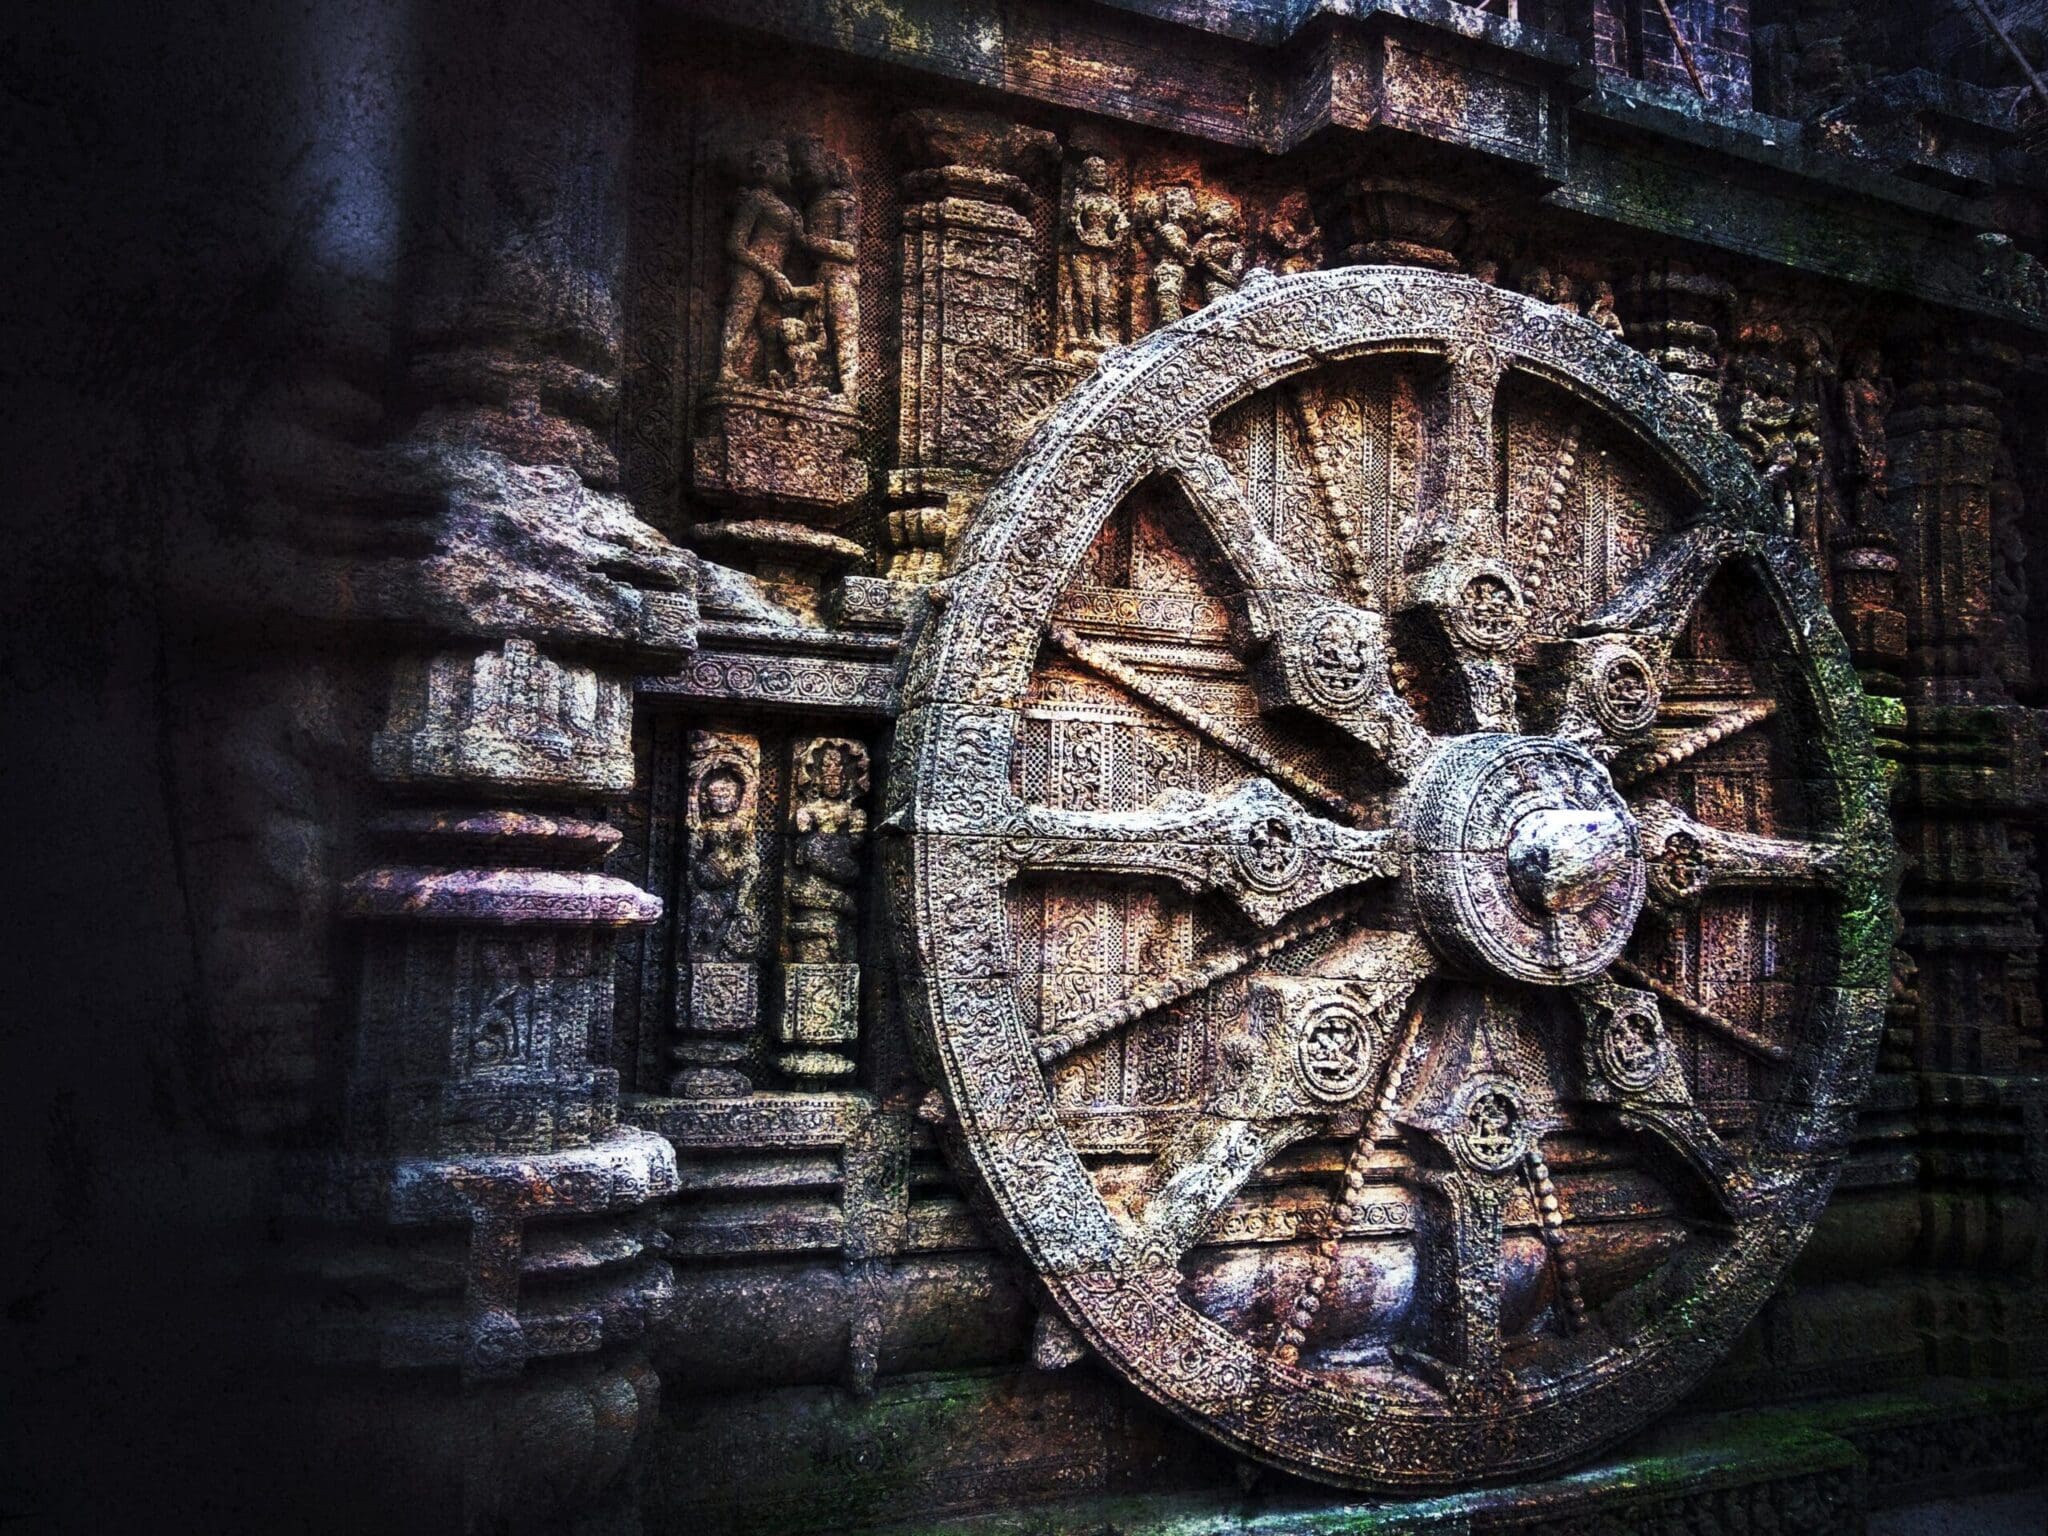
<point x="1433" y="75"/>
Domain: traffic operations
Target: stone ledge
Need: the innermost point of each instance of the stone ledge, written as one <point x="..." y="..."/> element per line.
<point x="898" y="1461"/>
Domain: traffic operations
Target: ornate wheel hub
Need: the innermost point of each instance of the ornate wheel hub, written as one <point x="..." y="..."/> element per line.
<point x="1402" y="965"/>
<point x="1524" y="860"/>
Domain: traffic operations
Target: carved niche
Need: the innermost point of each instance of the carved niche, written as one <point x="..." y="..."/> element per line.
<point x="1393" y="879"/>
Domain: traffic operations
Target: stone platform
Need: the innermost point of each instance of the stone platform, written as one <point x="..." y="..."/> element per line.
<point x="1058" y="1456"/>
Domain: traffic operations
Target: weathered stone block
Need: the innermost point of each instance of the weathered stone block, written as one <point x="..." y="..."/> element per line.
<point x="759" y="445"/>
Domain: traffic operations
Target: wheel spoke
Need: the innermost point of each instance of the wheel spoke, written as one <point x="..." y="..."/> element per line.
<point x="1211" y="489"/>
<point x="1317" y="654"/>
<point x="1629" y="1069"/>
<point x="1610" y="691"/>
<point x="1353" y="536"/>
<point x="1735" y="1034"/>
<point x="1200" y="1170"/>
<point x="1656" y="604"/>
<point x="1473" y="614"/>
<point x="1667" y="755"/>
<point x="1471" y="604"/>
<point x="1459" y="1243"/>
<point x="1550" y="1221"/>
<point x="1381" y="971"/>
<point x="1476" y="1127"/>
<point x="1332" y="661"/>
<point x="1255" y="845"/>
<point x="1148" y="1000"/>
<point x="1459" y="495"/>
<point x="1542" y="538"/>
<point x="1687" y="858"/>
<point x="1232" y="740"/>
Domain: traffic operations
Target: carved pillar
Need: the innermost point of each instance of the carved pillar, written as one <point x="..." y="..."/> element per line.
<point x="1943" y="436"/>
<point x="1972" y="758"/>
<point x="486" y="1331"/>
<point x="968" y="274"/>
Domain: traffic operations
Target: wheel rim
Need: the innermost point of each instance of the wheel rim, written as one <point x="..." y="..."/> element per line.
<point x="1419" y="1037"/>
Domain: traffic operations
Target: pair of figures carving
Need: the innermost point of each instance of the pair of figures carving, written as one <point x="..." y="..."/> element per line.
<point x="1205" y="243"/>
<point x="799" y="337"/>
<point x="830" y="829"/>
<point x="1596" y="302"/>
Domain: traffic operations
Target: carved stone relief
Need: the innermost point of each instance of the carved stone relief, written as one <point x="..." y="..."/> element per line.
<point x="1402" y="957"/>
<point x="722" y="946"/>
<point x="1091" y="246"/>
<point x="781" y="424"/>
<point x="828" y="832"/>
<point x="1294" y="240"/>
<point x="1167" y="226"/>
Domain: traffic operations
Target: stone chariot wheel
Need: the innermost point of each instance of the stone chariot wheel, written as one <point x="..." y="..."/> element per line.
<point x="1391" y="877"/>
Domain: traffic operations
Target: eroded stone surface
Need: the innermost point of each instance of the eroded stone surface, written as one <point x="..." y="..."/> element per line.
<point x="1424" y="1034"/>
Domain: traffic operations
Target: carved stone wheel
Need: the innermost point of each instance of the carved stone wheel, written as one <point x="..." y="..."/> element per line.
<point x="1392" y="876"/>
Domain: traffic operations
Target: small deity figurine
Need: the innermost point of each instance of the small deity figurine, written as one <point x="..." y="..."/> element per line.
<point x="758" y="244"/>
<point x="1293" y="236"/>
<point x="824" y="868"/>
<point x="723" y="864"/>
<point x="1095" y="230"/>
<point x="831" y="222"/>
<point x="1218" y="252"/>
<point x="803" y="347"/>
<point x="1601" y="310"/>
<point x="1166" y="220"/>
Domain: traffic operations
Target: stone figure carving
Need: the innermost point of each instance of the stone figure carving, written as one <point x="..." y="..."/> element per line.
<point x="789" y="335"/>
<point x="1219" y="251"/>
<point x="722" y="941"/>
<point x="828" y="832"/>
<point x="723" y="863"/>
<point x="1435" y="980"/>
<point x="1096" y="225"/>
<point x="1600" y="310"/>
<point x="831" y="222"/>
<point x="1774" y="410"/>
<point x="1552" y="288"/>
<point x="764" y="226"/>
<point x="1166" y="227"/>
<point x="1293" y="237"/>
